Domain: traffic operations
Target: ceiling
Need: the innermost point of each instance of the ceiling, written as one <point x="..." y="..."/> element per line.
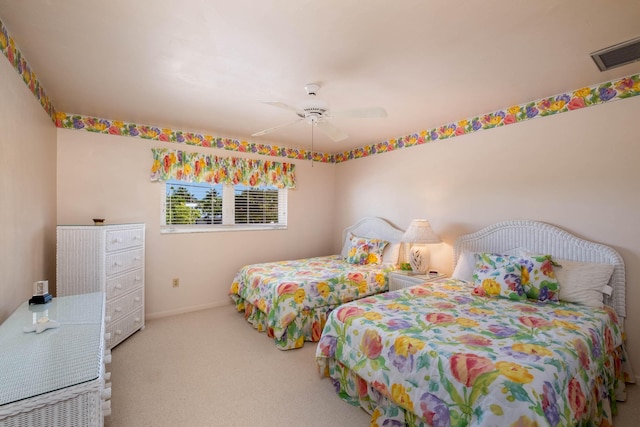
<point x="206" y="65"/>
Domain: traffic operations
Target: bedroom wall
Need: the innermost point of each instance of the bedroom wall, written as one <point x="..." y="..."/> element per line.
<point x="108" y="177"/>
<point x="577" y="170"/>
<point x="27" y="187"/>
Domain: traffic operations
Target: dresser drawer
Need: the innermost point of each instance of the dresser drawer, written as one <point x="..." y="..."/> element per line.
<point x="121" y="285"/>
<point x="120" y="307"/>
<point x="123" y="261"/>
<point x="123" y="239"/>
<point x="124" y="327"/>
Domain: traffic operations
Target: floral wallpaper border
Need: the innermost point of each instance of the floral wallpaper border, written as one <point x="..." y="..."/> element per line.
<point x="15" y="57"/>
<point x="625" y="87"/>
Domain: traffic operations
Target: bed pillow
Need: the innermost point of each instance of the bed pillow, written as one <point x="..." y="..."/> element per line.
<point x="583" y="283"/>
<point x="464" y="267"/>
<point x="391" y="253"/>
<point x="365" y="251"/>
<point x="497" y="275"/>
<point x="538" y="277"/>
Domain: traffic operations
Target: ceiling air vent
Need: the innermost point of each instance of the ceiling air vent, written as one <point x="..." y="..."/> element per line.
<point x="615" y="56"/>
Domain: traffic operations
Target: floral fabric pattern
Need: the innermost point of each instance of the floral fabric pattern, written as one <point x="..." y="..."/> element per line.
<point x="434" y="354"/>
<point x="199" y="167"/>
<point x="498" y="276"/>
<point x="364" y="251"/>
<point x="538" y="278"/>
<point x="290" y="299"/>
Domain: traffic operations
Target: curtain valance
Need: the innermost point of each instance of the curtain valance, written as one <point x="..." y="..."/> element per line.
<point x="199" y="167"/>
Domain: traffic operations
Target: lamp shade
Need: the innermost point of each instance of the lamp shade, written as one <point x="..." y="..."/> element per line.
<point x="420" y="232"/>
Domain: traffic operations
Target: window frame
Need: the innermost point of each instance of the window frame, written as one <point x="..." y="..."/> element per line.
<point x="228" y="210"/>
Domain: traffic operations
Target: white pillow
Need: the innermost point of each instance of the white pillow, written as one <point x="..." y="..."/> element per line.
<point x="464" y="267"/>
<point x="583" y="282"/>
<point x="391" y="253"/>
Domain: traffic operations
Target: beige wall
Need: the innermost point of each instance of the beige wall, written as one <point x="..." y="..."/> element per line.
<point x="28" y="191"/>
<point x="108" y="176"/>
<point x="577" y="170"/>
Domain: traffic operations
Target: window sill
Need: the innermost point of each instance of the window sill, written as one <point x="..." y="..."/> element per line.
<point x="176" y="229"/>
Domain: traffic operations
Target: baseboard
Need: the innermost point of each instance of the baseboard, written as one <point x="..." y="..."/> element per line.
<point x="190" y="309"/>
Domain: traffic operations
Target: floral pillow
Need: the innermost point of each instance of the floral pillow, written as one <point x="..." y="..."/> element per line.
<point x="498" y="276"/>
<point x="538" y="278"/>
<point x="365" y="251"/>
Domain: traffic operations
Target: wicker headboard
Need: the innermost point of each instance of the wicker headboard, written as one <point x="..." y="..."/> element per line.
<point x="374" y="228"/>
<point x="539" y="237"/>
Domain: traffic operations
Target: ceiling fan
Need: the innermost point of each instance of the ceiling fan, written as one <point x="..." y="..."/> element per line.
<point x="316" y="112"/>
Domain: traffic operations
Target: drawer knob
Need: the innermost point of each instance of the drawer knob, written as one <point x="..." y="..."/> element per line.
<point x="117" y="264"/>
<point x="118" y="286"/>
<point x="107" y="336"/>
<point x="118" y="332"/>
<point x="106" y="393"/>
<point x="107" y="376"/>
<point x="137" y="299"/>
<point x="107" y="359"/>
<point x="138" y="258"/>
<point x="118" y="309"/>
<point x="138" y="278"/>
<point x="117" y="240"/>
<point x="137" y="319"/>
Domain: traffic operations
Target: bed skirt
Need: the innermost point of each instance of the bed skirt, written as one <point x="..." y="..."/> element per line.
<point x="306" y="326"/>
<point x="378" y="401"/>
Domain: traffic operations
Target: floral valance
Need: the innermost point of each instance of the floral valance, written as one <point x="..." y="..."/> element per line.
<point x="199" y="167"/>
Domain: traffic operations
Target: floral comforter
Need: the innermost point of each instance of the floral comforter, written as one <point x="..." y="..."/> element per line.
<point x="290" y="299"/>
<point x="437" y="355"/>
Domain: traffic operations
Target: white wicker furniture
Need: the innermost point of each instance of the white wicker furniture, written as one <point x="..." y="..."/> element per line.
<point x="109" y="259"/>
<point x="512" y="236"/>
<point x="400" y="279"/>
<point x="56" y="377"/>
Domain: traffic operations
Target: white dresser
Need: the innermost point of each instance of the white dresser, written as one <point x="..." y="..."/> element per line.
<point x="109" y="259"/>
<point x="56" y="377"/>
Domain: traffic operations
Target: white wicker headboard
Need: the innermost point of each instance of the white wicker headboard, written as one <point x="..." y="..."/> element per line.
<point x="373" y="228"/>
<point x="510" y="236"/>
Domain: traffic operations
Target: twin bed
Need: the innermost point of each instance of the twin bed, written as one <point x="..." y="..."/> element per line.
<point x="447" y="353"/>
<point x="492" y="346"/>
<point x="289" y="300"/>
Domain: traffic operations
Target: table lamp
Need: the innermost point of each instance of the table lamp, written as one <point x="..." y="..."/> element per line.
<point x="419" y="235"/>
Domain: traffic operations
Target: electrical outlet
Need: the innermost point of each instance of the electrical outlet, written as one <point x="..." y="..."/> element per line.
<point x="176" y="282"/>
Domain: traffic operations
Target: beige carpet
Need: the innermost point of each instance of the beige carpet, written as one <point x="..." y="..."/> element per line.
<point x="211" y="368"/>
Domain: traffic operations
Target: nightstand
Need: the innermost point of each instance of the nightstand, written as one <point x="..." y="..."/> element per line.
<point x="400" y="279"/>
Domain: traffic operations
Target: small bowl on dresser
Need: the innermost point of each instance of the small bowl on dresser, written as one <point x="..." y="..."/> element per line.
<point x="98" y="221"/>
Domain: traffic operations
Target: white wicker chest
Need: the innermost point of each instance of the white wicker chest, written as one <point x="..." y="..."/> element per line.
<point x="109" y="259"/>
<point x="56" y="377"/>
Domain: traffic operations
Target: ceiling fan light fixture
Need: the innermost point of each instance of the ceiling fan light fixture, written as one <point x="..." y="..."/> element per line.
<point x="316" y="112"/>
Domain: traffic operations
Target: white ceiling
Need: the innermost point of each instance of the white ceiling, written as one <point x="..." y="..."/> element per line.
<point x="206" y="65"/>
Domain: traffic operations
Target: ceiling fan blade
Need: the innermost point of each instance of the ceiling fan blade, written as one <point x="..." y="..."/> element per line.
<point x="266" y="131"/>
<point x="361" y="113"/>
<point x="331" y="131"/>
<point x="281" y="105"/>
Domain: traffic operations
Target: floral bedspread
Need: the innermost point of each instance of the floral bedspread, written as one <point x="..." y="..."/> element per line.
<point x="437" y="355"/>
<point x="290" y="299"/>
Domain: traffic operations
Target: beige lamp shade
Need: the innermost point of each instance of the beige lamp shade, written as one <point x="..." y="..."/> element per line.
<point x="419" y="235"/>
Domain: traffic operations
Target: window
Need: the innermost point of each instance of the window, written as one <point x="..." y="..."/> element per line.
<point x="192" y="207"/>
